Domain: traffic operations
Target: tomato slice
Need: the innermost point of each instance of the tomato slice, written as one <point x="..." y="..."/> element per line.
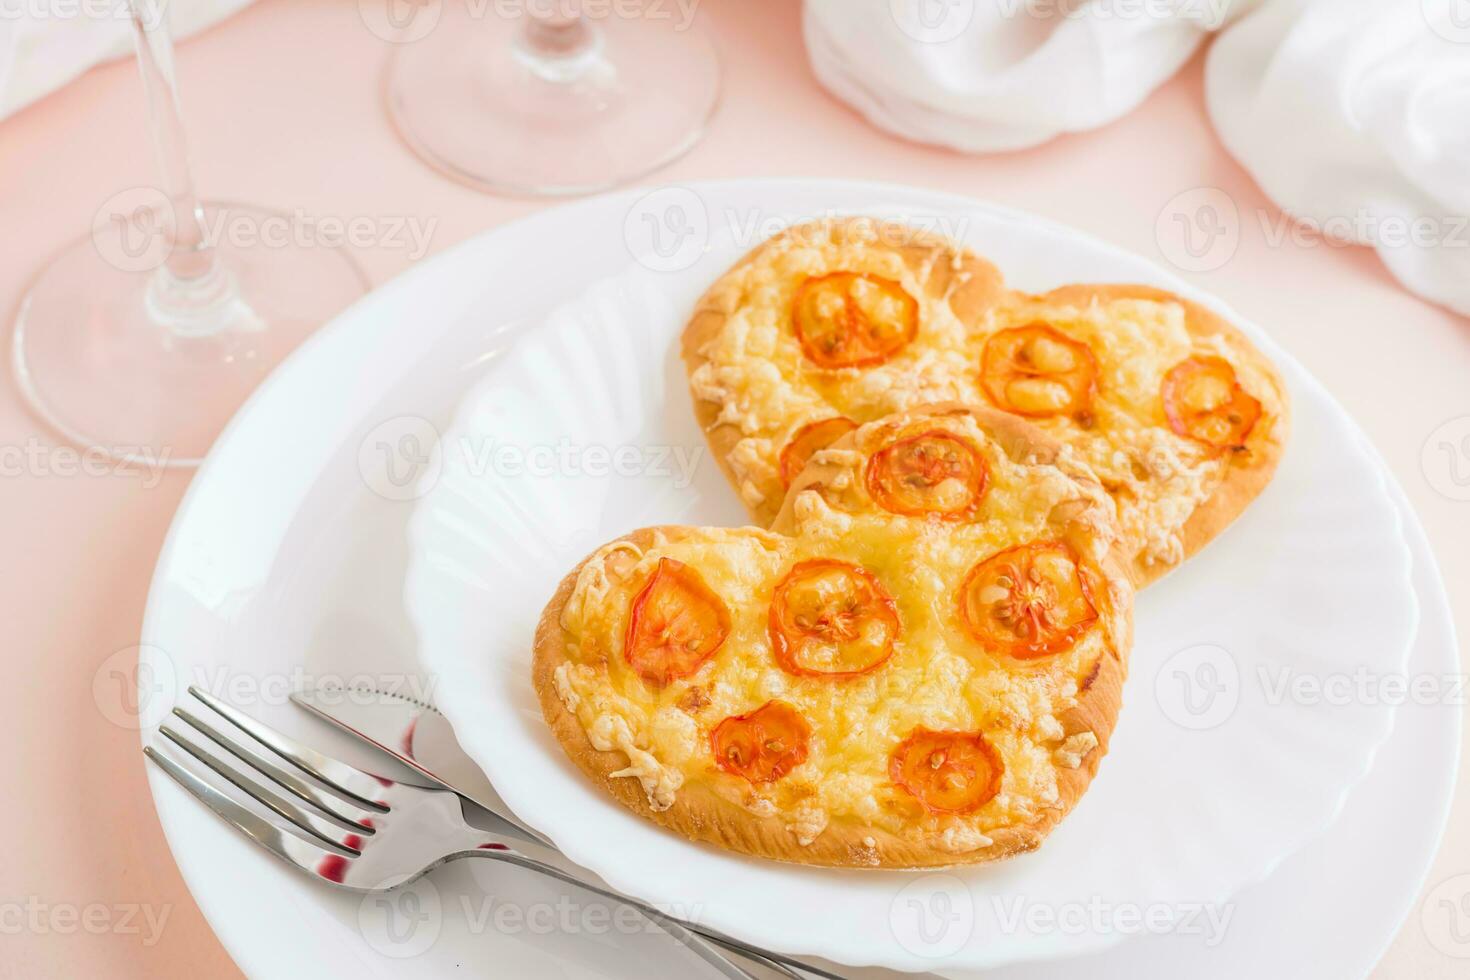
<point x="677" y="623"/>
<point x="809" y="439"/>
<point x="1204" y="402"/>
<point x="764" y="745"/>
<point x="948" y="772"/>
<point x="1027" y="602"/>
<point x="931" y="473"/>
<point x="848" y="319"/>
<point x="1037" y="371"/>
<point x="833" y="619"/>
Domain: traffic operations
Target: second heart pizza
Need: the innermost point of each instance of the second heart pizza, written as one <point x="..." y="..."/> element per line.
<point x="905" y="672"/>
<point x="841" y="322"/>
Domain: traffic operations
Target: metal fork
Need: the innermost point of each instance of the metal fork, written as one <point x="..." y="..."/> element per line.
<point x="365" y="832"/>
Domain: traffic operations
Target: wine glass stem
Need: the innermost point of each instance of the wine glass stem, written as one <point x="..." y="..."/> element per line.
<point x="190" y="286"/>
<point x="557" y="45"/>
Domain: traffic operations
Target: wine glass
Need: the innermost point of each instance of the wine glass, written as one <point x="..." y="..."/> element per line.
<point x="547" y="96"/>
<point x="140" y="340"/>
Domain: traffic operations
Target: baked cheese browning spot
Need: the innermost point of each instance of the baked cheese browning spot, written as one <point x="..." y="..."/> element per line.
<point x="933" y="473"/>
<point x="1204" y="401"/>
<point x="807" y="440"/>
<point x="832" y="619"/>
<point x="1027" y="602"/>
<point x="1039" y="372"/>
<point x="676" y="623"/>
<point x="852" y="320"/>
<point x="761" y="746"/>
<point x="947" y="772"/>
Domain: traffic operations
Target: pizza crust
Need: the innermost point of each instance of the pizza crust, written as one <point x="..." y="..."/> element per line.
<point x="700" y="814"/>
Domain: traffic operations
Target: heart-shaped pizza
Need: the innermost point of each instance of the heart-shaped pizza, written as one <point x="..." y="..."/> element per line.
<point x="837" y="323"/>
<point x="919" y="665"/>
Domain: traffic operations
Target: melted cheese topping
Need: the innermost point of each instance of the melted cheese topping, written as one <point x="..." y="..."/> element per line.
<point x="756" y="373"/>
<point x="938" y="677"/>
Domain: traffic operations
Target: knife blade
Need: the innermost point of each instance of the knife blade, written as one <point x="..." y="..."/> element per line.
<point x="417" y="735"/>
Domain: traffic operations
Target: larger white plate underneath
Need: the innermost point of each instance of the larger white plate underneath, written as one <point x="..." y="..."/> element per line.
<point x="287" y="555"/>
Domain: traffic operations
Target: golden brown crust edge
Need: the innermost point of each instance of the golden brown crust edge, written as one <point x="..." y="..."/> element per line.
<point x="1250" y="471"/>
<point x="701" y="815"/>
<point x="973" y="287"/>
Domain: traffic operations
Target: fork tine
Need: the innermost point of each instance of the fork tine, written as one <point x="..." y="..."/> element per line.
<point x="328" y="804"/>
<point x="357" y="785"/>
<point x="284" y="846"/>
<point x="305" y="822"/>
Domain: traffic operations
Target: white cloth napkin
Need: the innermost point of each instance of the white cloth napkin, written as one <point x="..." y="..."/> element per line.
<point x="985" y="75"/>
<point x="1354" y="117"/>
<point x="46" y="43"/>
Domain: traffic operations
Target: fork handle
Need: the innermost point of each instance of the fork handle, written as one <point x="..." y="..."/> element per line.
<point x="701" y="942"/>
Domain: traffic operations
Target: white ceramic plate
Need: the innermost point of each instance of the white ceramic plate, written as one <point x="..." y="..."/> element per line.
<point x="1218" y="769"/>
<point x="283" y="558"/>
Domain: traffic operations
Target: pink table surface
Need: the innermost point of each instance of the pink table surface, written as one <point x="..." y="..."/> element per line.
<point x="284" y="105"/>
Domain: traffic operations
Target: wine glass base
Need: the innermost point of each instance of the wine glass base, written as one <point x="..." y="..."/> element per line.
<point x="467" y="99"/>
<point x="98" y="359"/>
